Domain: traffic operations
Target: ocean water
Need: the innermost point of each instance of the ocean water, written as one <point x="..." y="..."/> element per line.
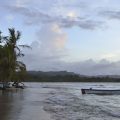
<point x="59" y="101"/>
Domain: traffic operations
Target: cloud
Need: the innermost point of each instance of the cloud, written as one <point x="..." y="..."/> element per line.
<point x="48" y="49"/>
<point x="111" y="14"/>
<point x="88" y="67"/>
<point x="113" y="56"/>
<point x="91" y="67"/>
<point x="54" y="37"/>
<point x="83" y="14"/>
<point x="37" y="16"/>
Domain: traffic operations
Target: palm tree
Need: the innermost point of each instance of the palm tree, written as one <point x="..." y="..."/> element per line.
<point x="15" y="52"/>
<point x="10" y="51"/>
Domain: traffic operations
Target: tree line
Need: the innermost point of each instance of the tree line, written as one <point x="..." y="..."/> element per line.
<point x="37" y="76"/>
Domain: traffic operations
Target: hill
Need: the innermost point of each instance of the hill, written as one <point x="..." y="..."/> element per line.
<point x="64" y="76"/>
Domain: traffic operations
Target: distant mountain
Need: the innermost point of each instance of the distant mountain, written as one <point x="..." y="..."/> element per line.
<point x="110" y="76"/>
<point x="63" y="73"/>
<point x="51" y="73"/>
<point x="64" y="76"/>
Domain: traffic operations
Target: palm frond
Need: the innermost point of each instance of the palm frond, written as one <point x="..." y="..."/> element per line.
<point x="18" y="35"/>
<point x="20" y="55"/>
<point x="25" y="46"/>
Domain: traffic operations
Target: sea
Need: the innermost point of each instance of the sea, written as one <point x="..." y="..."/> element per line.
<point x="59" y="101"/>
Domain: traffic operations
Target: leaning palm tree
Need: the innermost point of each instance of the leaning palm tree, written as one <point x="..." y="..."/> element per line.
<point x="10" y="51"/>
<point x="15" y="52"/>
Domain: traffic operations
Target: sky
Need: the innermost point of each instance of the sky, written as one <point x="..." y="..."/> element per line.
<point x="81" y="36"/>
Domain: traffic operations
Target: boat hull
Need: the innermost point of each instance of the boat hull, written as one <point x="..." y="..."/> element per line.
<point x="100" y="91"/>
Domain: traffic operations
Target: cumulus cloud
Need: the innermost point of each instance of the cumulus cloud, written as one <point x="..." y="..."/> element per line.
<point x="52" y="37"/>
<point x="102" y="67"/>
<point x="91" y="67"/>
<point x="48" y="49"/>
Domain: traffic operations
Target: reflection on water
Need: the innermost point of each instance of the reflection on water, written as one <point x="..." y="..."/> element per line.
<point x="59" y="101"/>
<point x="10" y="104"/>
<point x="22" y="105"/>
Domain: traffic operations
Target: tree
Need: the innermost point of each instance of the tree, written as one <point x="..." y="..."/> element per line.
<point x="10" y="68"/>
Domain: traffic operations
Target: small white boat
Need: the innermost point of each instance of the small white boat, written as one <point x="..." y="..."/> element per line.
<point x="101" y="91"/>
<point x="9" y="85"/>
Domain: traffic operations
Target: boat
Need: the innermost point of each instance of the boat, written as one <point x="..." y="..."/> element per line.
<point x="101" y="91"/>
<point x="18" y="85"/>
<point x="9" y="85"/>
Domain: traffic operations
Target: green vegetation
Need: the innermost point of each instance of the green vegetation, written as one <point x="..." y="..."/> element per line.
<point x="63" y="76"/>
<point x="11" y="69"/>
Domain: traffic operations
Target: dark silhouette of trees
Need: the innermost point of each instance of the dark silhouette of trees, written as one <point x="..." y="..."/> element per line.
<point x="11" y="69"/>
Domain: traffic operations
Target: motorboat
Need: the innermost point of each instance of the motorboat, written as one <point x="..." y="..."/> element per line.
<point x="101" y="91"/>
